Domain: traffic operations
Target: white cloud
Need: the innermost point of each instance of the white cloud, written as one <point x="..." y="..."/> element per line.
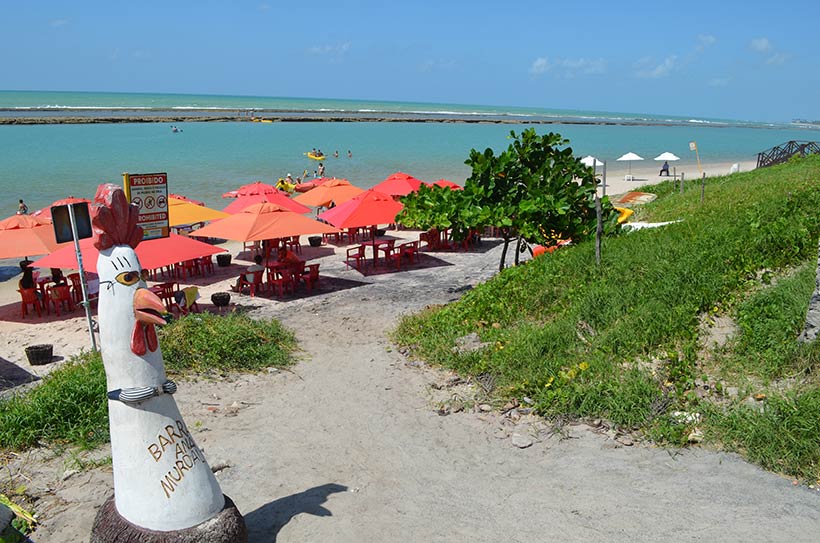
<point x="777" y="58"/>
<point x="647" y="68"/>
<point x="55" y="23"/>
<point x="539" y="66"/>
<point x="338" y="49"/>
<point x="568" y="67"/>
<point x="704" y="41"/>
<point x="761" y="45"/>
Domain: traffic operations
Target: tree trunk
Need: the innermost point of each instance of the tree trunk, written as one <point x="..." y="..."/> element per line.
<point x="517" y="250"/>
<point x="812" y="326"/>
<point x="504" y="250"/>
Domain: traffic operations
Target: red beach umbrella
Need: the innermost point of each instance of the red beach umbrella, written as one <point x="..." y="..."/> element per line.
<point x="399" y="184"/>
<point x="153" y="253"/>
<point x="274" y="198"/>
<point x="45" y="213"/>
<point x="263" y="221"/>
<point x="367" y="209"/>
<point x="448" y="184"/>
<point x="186" y="199"/>
<point x="251" y="189"/>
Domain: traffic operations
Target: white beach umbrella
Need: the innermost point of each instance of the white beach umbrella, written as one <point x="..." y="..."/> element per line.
<point x="590" y="161"/>
<point x="667" y="156"/>
<point x="629" y="157"/>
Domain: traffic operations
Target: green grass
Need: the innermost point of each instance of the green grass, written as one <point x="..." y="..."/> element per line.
<point x="207" y="343"/>
<point x="622" y="341"/>
<point x="70" y="405"/>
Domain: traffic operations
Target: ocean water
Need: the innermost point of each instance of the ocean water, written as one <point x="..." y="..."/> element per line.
<point x="43" y="163"/>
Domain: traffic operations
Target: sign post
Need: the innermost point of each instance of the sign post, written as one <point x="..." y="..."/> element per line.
<point x="693" y="146"/>
<point x="76" y="227"/>
<point x="149" y="191"/>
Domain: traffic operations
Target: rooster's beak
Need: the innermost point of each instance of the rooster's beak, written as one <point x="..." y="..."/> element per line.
<point x="148" y="307"/>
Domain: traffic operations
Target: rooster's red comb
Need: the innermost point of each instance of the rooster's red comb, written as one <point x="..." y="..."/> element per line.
<point x="116" y="219"/>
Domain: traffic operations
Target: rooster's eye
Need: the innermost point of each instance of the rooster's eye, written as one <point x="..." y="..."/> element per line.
<point x="128" y="278"/>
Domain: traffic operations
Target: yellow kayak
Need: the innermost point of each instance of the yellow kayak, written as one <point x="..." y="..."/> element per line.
<point x="315" y="157"/>
<point x="623" y="214"/>
<point x="285" y="186"/>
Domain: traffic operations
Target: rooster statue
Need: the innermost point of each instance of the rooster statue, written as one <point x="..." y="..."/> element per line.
<point x="164" y="490"/>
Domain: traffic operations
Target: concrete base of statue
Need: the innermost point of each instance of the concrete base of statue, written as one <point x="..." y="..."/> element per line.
<point x="227" y="526"/>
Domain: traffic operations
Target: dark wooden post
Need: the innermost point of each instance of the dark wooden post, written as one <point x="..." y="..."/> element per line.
<point x="702" y="187"/>
<point x="682" y="174"/>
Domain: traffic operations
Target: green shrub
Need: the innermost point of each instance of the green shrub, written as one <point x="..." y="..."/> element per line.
<point x="205" y="343"/>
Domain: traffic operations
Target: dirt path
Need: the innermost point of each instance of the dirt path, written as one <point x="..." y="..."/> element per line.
<point x="349" y="447"/>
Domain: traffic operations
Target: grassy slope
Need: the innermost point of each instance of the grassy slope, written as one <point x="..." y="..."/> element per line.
<point x="622" y="342"/>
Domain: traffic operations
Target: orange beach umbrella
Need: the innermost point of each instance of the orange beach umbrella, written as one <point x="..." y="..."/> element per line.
<point x="25" y="235"/>
<point x="274" y="198"/>
<point x="263" y="221"/>
<point x="182" y="212"/>
<point x="335" y="190"/>
<point x="367" y="209"/>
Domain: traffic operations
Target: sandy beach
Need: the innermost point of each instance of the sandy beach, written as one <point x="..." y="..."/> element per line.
<point x="351" y="446"/>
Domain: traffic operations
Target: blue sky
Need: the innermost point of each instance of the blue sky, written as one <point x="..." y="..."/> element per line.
<point x="749" y="60"/>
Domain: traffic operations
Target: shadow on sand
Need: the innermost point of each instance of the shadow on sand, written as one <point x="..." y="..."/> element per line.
<point x="12" y="375"/>
<point x="264" y="523"/>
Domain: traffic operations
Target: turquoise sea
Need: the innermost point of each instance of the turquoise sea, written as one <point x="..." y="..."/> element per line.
<point x="42" y="163"/>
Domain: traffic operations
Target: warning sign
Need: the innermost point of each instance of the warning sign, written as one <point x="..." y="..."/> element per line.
<point x="149" y="191"/>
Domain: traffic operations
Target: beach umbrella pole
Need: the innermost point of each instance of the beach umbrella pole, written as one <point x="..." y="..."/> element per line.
<point x="85" y="303"/>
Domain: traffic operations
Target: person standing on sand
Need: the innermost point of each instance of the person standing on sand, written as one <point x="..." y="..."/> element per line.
<point x="22" y="208"/>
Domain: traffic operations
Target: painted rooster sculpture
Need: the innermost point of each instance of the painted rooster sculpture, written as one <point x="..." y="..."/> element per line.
<point x="164" y="490"/>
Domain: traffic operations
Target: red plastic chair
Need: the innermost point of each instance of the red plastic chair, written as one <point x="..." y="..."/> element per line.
<point x="355" y="254"/>
<point x="206" y="263"/>
<point x="76" y="288"/>
<point x="281" y="280"/>
<point x="310" y="276"/>
<point x="252" y="285"/>
<point x="29" y="297"/>
<point x="410" y="250"/>
<point x="386" y="247"/>
<point x="167" y="293"/>
<point x="60" y="296"/>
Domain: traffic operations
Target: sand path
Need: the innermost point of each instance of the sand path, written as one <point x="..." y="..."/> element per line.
<point x="349" y="446"/>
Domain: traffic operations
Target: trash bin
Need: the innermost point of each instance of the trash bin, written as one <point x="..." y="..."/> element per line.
<point x="221" y="299"/>
<point x="315" y="241"/>
<point x="223" y="260"/>
<point x="40" y="354"/>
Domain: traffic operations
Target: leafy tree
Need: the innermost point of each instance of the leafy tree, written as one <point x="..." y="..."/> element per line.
<point x="534" y="191"/>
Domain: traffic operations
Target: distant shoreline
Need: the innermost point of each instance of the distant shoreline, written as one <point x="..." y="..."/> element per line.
<point x="300" y="117"/>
